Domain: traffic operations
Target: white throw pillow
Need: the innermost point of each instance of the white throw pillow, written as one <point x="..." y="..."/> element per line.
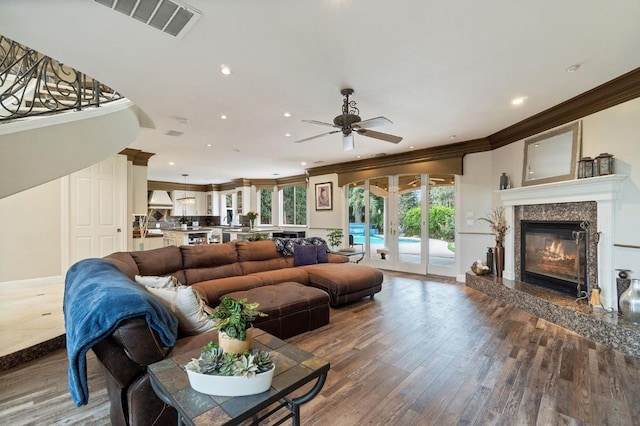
<point x="157" y="282"/>
<point x="187" y="306"/>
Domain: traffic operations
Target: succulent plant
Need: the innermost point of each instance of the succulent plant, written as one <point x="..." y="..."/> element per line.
<point x="234" y="317"/>
<point x="214" y="361"/>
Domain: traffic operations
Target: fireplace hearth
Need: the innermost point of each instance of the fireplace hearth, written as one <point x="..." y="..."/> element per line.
<point x="553" y="255"/>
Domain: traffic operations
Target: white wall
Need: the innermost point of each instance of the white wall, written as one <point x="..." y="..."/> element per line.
<point x="30" y="230"/>
<point x="322" y="219"/>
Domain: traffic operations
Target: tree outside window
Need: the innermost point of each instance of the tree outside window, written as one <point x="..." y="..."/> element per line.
<point x="294" y="206"/>
<point x="265" y="198"/>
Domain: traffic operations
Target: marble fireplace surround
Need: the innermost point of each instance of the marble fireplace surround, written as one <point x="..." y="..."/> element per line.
<point x="568" y="200"/>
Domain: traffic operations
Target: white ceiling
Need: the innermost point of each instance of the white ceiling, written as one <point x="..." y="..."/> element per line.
<point x="435" y="68"/>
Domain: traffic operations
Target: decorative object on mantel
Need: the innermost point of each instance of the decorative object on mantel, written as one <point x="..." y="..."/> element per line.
<point x="479" y="268"/>
<point x="603" y="164"/>
<point x="622" y="283"/>
<point x="221" y="373"/>
<point x="504" y="181"/>
<point x="499" y="227"/>
<point x="585" y="167"/>
<point x="630" y="302"/>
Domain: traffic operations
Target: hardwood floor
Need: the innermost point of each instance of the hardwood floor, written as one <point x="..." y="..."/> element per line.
<point x="423" y="352"/>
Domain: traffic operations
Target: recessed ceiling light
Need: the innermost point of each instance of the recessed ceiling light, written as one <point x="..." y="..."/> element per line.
<point x="287" y="114"/>
<point x="518" y="101"/>
<point x="359" y="156"/>
<point x="573" y="68"/>
<point x="452" y="137"/>
<point x="411" y="147"/>
<point x="171" y="163"/>
<point x="287" y="134"/>
<point x="183" y="120"/>
<point x="223" y="117"/>
<point x="303" y="164"/>
<point x="275" y="174"/>
<point x="236" y="151"/>
<point x="208" y="144"/>
<point x="225" y="70"/>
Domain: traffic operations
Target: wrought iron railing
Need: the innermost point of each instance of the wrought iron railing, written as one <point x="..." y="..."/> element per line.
<point x="34" y="84"/>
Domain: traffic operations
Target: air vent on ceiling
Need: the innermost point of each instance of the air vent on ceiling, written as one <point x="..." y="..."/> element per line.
<point x="174" y="133"/>
<point x="171" y="16"/>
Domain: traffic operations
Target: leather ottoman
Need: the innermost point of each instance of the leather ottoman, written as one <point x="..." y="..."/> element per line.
<point x="293" y="308"/>
<point x="345" y="282"/>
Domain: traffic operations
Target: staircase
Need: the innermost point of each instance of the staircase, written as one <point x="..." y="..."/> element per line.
<point x="55" y="120"/>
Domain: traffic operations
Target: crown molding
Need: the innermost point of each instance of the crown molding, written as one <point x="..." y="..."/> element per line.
<point x="619" y="90"/>
<point x="137" y="157"/>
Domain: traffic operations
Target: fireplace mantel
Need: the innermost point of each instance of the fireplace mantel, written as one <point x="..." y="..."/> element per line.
<point x="602" y="189"/>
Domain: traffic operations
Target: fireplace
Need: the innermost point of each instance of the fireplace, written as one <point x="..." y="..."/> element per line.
<point x="553" y="255"/>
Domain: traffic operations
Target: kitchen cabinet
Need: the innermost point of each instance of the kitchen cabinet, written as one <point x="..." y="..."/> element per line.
<point x="176" y="237"/>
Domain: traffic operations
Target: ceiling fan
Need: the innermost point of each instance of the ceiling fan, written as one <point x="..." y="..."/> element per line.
<point x="432" y="181"/>
<point x="349" y="122"/>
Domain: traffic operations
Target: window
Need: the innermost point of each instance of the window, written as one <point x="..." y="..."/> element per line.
<point x="294" y="206"/>
<point x="265" y="198"/>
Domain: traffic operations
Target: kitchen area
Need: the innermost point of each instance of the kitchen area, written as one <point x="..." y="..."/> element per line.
<point x="196" y="224"/>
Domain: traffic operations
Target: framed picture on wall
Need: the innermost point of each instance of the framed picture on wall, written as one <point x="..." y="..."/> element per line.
<point x="324" y="196"/>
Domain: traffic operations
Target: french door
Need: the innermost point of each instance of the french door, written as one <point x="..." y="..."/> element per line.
<point x="389" y="216"/>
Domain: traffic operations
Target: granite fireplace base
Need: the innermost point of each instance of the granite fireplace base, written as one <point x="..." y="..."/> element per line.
<point x="611" y="330"/>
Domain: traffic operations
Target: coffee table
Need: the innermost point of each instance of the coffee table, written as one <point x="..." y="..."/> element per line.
<point x="294" y="369"/>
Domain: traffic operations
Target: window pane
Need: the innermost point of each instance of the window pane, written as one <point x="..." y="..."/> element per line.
<point x="294" y="206"/>
<point x="265" y="197"/>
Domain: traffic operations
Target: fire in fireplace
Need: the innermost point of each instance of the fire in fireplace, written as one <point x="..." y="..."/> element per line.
<point x="553" y="255"/>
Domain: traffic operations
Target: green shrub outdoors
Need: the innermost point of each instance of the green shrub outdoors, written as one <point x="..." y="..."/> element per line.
<point x="411" y="222"/>
<point x="441" y="223"/>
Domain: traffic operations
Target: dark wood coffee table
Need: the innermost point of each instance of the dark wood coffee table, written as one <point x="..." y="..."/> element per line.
<point x="294" y="368"/>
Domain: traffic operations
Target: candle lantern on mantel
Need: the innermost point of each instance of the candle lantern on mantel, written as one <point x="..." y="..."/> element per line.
<point x="585" y="168"/>
<point x="603" y="164"/>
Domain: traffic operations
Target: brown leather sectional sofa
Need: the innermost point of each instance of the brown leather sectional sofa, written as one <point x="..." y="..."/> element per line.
<point x="297" y="300"/>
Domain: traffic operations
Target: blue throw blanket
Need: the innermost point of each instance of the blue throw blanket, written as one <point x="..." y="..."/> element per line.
<point x="97" y="297"/>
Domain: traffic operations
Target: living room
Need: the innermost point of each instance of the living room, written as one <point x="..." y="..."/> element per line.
<point x="612" y="129"/>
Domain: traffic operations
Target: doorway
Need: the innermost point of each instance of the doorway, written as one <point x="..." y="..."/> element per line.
<point x="405" y="222"/>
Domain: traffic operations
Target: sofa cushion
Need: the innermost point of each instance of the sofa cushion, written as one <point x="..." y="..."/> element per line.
<point x="297" y="275"/>
<point x="187" y="306"/>
<point x="161" y="261"/>
<point x="210" y="261"/>
<point x="322" y="254"/>
<point x="157" y="282"/>
<point x="305" y="255"/>
<point x="209" y="255"/>
<point x="213" y="290"/>
<point x="124" y="261"/>
<point x="258" y="256"/>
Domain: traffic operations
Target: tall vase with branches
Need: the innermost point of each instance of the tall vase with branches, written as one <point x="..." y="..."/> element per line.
<point x="498" y="224"/>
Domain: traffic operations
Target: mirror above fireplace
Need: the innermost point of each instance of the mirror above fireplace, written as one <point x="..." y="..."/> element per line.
<point x="552" y="156"/>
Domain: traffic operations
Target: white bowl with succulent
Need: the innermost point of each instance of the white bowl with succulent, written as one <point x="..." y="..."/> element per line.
<point x="221" y="373"/>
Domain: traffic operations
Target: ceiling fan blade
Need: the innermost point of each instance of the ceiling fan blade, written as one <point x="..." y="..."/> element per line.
<point x="322" y="123"/>
<point x="347" y="142"/>
<point x="378" y="135"/>
<point x="372" y="122"/>
<point x="317" y="136"/>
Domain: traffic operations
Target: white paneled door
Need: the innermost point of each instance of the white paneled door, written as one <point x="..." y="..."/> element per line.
<point x="97" y="200"/>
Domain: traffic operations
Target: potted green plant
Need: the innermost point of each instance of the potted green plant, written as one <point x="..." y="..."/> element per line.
<point x="183" y="222"/>
<point x="232" y="318"/>
<point x="221" y="373"/>
<point x="335" y="236"/>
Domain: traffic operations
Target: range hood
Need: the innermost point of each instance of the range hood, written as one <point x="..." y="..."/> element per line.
<point x="160" y="200"/>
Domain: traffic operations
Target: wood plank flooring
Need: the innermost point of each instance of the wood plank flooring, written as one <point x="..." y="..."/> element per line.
<point x="424" y="351"/>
